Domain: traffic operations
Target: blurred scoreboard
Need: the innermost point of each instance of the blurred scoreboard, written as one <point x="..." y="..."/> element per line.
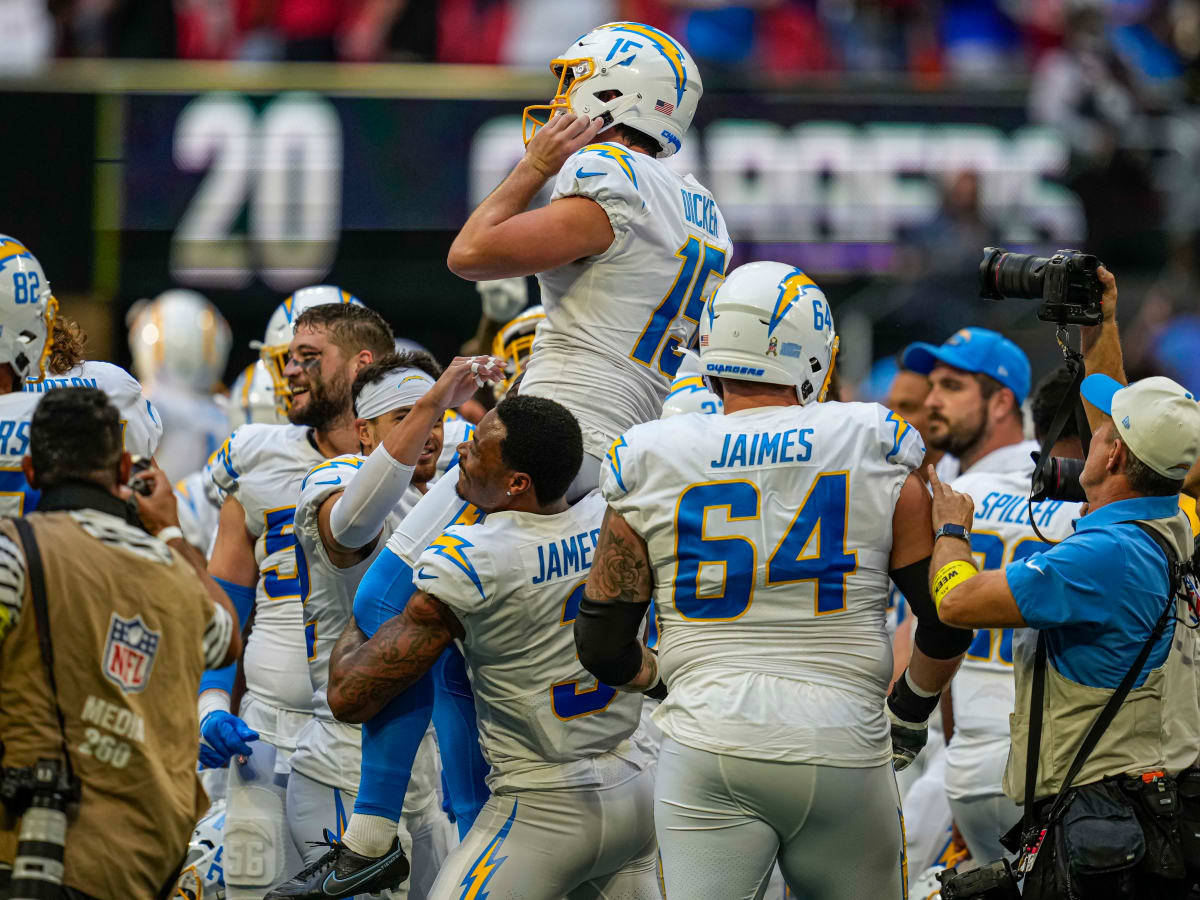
<point x="247" y="183"/>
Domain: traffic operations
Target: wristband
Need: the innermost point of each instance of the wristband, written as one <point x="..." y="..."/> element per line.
<point x="949" y="577"/>
<point x="170" y="533"/>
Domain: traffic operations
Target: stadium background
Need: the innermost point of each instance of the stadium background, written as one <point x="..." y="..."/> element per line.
<point x="246" y="148"/>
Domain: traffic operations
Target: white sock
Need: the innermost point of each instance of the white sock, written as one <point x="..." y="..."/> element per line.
<point x="369" y="835"/>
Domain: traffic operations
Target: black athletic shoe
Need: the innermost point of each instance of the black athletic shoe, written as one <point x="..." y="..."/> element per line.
<point x="343" y="873"/>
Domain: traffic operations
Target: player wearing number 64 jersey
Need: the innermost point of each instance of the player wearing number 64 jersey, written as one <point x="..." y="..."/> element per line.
<point x="570" y="812"/>
<point x="766" y="536"/>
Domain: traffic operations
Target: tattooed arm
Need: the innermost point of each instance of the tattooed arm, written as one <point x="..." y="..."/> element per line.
<point x="364" y="675"/>
<point x="614" y="603"/>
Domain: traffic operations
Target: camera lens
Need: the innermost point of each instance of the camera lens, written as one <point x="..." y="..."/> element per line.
<point x="1003" y="274"/>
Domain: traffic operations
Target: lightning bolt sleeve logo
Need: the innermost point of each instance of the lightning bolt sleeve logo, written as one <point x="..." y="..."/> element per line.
<point x="617" y="154"/>
<point x="452" y="548"/>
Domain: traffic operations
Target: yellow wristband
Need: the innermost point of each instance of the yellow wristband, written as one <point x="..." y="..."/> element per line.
<point x="950" y="576"/>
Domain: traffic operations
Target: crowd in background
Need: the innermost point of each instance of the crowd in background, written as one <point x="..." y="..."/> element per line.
<point x="1119" y="78"/>
<point x="1155" y="42"/>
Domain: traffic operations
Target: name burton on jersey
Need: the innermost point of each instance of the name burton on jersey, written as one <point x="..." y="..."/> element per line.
<point x="571" y="559"/>
<point x="765" y="448"/>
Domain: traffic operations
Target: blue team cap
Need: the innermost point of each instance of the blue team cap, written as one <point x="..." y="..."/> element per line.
<point x="975" y="350"/>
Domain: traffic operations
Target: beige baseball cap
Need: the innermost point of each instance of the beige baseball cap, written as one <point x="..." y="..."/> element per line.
<point x="1157" y="419"/>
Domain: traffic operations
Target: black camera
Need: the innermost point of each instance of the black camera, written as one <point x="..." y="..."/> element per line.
<point x="1059" y="480"/>
<point x="1066" y="283"/>
<point x="995" y="881"/>
<point x="39" y="795"/>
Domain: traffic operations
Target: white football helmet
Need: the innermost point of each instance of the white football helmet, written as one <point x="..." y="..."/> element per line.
<point x="689" y="393"/>
<point x="769" y="322"/>
<point x="514" y="343"/>
<point x="252" y="399"/>
<point x="179" y="338"/>
<point x="27" y="311"/>
<point x="273" y="348"/>
<point x="658" y="83"/>
<point x="202" y="876"/>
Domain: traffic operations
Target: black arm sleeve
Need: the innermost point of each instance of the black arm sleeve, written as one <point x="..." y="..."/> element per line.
<point x="606" y="636"/>
<point x="933" y="637"/>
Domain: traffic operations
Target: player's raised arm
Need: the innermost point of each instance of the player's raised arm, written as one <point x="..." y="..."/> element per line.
<point x="350" y="520"/>
<point x="364" y="677"/>
<point x="608" y="629"/>
<point x="501" y="239"/>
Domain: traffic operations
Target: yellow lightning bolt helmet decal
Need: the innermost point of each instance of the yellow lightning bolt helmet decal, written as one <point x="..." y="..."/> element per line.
<point x="664" y="44"/>
<point x="791" y="288"/>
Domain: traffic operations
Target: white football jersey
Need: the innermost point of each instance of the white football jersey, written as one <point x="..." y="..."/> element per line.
<point x="515" y="582"/>
<point x="983" y="691"/>
<point x="769" y="532"/>
<point x="327" y="750"/>
<point x="194" y="427"/>
<point x="199" y="515"/>
<point x="141" y="425"/>
<point x="607" y="349"/>
<point x="263" y="466"/>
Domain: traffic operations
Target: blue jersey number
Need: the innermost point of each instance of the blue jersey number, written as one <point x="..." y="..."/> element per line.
<point x="823" y="513"/>
<point x="25" y="287"/>
<point x="566" y="699"/>
<point x="279" y="537"/>
<point x="686" y="297"/>
<point x="995" y="644"/>
<point x="16" y="496"/>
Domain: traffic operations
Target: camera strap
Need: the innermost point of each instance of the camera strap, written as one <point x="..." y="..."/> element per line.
<point x="1032" y="833"/>
<point x="1070" y="405"/>
<point x="37" y="589"/>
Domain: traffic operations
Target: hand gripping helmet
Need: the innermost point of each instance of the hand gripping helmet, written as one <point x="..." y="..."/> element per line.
<point x="689" y="393"/>
<point x="769" y="322"/>
<point x="657" y="82"/>
<point x="514" y="343"/>
<point x="180" y="338"/>
<point x="273" y="348"/>
<point x="27" y="311"/>
<point x="252" y="399"/>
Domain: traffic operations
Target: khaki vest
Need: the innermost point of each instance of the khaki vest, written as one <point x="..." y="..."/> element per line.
<point x="1135" y="741"/>
<point x="130" y="714"/>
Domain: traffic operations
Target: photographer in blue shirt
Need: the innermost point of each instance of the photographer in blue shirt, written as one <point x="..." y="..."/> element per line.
<point x="1094" y="599"/>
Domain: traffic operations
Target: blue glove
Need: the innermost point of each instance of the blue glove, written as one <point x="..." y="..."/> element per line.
<point x="222" y="735"/>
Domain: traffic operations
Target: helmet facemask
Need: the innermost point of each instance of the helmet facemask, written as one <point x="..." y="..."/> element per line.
<point x="275" y="361"/>
<point x="571" y="73"/>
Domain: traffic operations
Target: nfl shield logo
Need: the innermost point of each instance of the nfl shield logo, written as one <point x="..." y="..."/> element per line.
<point x="129" y="653"/>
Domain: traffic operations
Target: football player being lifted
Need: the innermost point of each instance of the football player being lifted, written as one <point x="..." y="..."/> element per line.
<point x="570" y="810"/>
<point x="626" y="252"/>
<point x="348" y="506"/>
<point x="766" y="536"/>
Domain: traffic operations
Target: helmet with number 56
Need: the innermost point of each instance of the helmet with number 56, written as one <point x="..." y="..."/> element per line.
<point x="769" y="322"/>
<point x="650" y="83"/>
<point x="27" y="311"/>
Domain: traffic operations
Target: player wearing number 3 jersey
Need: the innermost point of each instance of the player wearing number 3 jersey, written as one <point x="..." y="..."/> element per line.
<point x="766" y="536"/>
<point x="570" y="811"/>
